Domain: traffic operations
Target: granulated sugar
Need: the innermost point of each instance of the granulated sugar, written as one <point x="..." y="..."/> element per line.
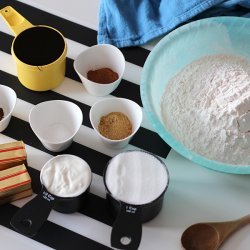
<point x="136" y="177"/>
<point x="206" y="106"/>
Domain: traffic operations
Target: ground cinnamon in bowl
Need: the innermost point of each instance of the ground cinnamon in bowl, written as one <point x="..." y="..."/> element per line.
<point x="115" y="126"/>
<point x="103" y="75"/>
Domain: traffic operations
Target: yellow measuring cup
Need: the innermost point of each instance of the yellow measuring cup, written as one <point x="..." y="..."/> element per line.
<point x="39" y="52"/>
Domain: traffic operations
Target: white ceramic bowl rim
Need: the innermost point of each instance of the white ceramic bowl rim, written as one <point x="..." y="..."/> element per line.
<point x="92" y="48"/>
<point x="12" y="92"/>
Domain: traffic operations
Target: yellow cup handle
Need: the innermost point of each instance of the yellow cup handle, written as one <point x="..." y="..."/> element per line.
<point x="15" y="21"/>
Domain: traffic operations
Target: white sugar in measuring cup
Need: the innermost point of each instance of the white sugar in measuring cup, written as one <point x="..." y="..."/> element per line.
<point x="135" y="182"/>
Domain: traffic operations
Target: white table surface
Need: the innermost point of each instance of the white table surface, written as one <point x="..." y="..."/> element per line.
<point x="195" y="193"/>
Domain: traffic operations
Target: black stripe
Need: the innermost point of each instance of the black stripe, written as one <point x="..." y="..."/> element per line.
<point x="144" y="138"/>
<point x="125" y="89"/>
<point x="128" y="90"/>
<point x="71" y="30"/>
<point x="5" y="45"/>
<point x="52" y="234"/>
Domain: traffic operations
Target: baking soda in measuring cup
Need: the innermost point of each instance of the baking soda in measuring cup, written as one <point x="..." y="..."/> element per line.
<point x="66" y="176"/>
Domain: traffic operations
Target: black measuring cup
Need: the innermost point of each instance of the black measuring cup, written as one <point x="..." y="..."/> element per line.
<point x="127" y="228"/>
<point x="30" y="218"/>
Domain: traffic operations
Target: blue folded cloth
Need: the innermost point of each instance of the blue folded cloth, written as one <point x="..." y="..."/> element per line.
<point x="126" y="23"/>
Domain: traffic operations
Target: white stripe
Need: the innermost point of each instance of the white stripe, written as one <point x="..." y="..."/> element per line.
<point x="11" y="240"/>
<point x="68" y="10"/>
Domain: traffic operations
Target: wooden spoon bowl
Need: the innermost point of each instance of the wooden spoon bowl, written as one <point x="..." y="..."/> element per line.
<point x="210" y="235"/>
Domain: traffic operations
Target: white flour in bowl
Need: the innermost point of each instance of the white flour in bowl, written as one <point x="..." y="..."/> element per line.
<point x="206" y="106"/>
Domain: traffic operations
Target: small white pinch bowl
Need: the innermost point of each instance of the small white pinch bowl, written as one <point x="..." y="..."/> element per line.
<point x="55" y="123"/>
<point x="128" y="107"/>
<point x="97" y="57"/>
<point x="8" y="100"/>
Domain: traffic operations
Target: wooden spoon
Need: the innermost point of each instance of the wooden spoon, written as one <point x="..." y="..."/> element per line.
<point x="210" y="235"/>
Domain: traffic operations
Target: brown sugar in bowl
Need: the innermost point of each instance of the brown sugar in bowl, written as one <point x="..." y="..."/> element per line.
<point x="110" y="106"/>
<point x="115" y="126"/>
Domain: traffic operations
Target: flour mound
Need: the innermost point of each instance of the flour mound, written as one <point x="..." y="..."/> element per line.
<point x="206" y="106"/>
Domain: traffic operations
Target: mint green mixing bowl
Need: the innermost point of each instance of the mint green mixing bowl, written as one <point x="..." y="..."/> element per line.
<point x="216" y="35"/>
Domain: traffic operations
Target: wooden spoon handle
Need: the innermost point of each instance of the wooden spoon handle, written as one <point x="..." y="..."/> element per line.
<point x="242" y="221"/>
<point x="229" y="227"/>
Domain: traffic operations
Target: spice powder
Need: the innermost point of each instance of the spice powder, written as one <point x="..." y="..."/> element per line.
<point x="103" y="75"/>
<point x="115" y="126"/>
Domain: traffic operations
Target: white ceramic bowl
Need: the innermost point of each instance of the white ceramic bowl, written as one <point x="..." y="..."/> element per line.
<point x="7" y="103"/>
<point x="97" y="57"/>
<point x="55" y="123"/>
<point x="131" y="109"/>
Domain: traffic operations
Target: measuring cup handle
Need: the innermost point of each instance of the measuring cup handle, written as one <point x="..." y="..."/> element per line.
<point x="29" y="219"/>
<point x="16" y="22"/>
<point x="127" y="228"/>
